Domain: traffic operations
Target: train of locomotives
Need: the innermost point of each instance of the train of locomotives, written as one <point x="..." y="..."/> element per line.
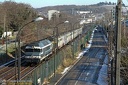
<point x="37" y="51"/>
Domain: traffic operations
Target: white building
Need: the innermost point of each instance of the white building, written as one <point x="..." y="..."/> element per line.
<point x="51" y="12"/>
<point x="84" y="12"/>
<point x="9" y="34"/>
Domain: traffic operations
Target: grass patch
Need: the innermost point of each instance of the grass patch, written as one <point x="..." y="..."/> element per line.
<point x="11" y="48"/>
<point x="68" y="59"/>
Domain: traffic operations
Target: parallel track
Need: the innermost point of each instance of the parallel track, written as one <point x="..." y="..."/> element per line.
<point x="9" y="72"/>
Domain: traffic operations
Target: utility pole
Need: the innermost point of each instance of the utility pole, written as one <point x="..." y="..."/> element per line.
<point x="5" y="30"/>
<point x="118" y="42"/>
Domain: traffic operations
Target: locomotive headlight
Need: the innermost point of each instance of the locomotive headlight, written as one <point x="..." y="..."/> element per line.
<point x="39" y="57"/>
<point x="27" y="56"/>
<point x="35" y="57"/>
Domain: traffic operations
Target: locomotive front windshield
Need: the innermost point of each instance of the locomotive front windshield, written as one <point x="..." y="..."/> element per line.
<point x="33" y="50"/>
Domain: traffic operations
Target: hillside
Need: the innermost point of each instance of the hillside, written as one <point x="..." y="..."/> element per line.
<point x="70" y="8"/>
<point x="95" y="8"/>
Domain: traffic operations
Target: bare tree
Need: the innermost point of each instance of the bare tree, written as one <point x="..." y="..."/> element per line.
<point x="16" y="14"/>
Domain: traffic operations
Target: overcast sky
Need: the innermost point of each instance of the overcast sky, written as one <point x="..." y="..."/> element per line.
<point x="43" y="3"/>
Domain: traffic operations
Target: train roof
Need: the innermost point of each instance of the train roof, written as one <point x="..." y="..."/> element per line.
<point x="39" y="44"/>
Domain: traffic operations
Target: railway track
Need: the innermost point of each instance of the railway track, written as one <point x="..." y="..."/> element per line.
<point x="87" y="65"/>
<point x="9" y="72"/>
<point x="24" y="71"/>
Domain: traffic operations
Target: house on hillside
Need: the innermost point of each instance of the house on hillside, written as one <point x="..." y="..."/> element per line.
<point x="84" y="12"/>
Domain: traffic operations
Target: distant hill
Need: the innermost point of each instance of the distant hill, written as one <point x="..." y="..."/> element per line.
<point x="70" y="8"/>
<point x="95" y="8"/>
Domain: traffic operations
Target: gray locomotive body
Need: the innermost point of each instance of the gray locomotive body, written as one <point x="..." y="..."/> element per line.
<point x="37" y="51"/>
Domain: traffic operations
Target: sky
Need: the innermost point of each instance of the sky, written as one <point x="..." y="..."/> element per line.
<point x="43" y="3"/>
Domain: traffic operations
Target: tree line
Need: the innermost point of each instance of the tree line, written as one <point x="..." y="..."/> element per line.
<point x="13" y="15"/>
<point x="106" y="3"/>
